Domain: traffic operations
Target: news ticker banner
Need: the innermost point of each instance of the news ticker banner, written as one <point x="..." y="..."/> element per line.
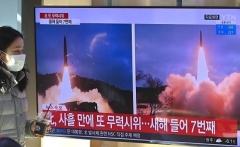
<point x="140" y="136"/>
<point x="145" y="124"/>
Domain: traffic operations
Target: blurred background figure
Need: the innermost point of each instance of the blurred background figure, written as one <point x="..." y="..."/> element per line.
<point x="8" y="142"/>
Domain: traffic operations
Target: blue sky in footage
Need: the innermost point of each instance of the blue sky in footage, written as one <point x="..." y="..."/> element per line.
<point x="97" y="51"/>
<point x="165" y="49"/>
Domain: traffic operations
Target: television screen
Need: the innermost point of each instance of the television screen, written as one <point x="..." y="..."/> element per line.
<point x="140" y="74"/>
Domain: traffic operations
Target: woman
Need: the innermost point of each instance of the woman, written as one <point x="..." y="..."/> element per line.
<point x="13" y="82"/>
<point x="8" y="142"/>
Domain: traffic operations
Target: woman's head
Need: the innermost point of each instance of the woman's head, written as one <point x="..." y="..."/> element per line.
<point x="8" y="142"/>
<point x="11" y="53"/>
<point x="11" y="48"/>
<point x="11" y="40"/>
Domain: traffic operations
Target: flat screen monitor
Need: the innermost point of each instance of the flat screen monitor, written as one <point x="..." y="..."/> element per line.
<point x="164" y="75"/>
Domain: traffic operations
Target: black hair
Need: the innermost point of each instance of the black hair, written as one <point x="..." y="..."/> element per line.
<point x="8" y="142"/>
<point x="7" y="37"/>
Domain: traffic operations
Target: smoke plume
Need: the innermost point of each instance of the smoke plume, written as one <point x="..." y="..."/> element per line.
<point x="53" y="94"/>
<point x="207" y="98"/>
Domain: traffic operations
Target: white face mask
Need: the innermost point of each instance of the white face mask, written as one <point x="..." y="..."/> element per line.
<point x="15" y="62"/>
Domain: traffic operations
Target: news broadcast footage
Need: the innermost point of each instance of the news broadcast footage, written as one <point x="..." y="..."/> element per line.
<point x="116" y="76"/>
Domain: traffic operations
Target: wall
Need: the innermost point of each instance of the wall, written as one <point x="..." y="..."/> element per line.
<point x="67" y="2"/>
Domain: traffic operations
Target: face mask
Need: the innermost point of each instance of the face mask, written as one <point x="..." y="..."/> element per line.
<point x="15" y="62"/>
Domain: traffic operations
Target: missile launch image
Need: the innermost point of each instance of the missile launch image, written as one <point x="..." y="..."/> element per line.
<point x="186" y="68"/>
<point x="191" y="71"/>
<point x="78" y="70"/>
<point x="169" y="77"/>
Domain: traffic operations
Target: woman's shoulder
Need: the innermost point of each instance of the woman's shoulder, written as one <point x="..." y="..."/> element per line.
<point x="7" y="80"/>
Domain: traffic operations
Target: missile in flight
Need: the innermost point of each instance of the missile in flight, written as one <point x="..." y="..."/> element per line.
<point x="200" y="38"/>
<point x="65" y="52"/>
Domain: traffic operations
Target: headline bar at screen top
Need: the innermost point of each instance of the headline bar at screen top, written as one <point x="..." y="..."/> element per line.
<point x="129" y="15"/>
